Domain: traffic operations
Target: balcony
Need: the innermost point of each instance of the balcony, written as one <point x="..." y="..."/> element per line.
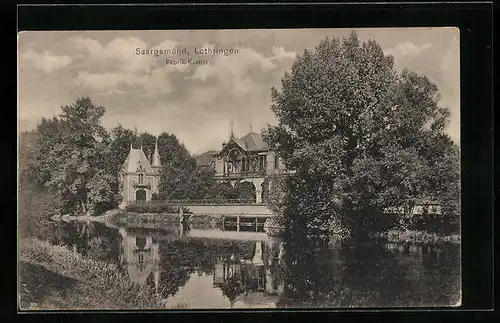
<point x="240" y="174"/>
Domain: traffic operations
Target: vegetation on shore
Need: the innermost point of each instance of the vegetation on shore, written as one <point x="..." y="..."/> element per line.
<point x="205" y="221"/>
<point x="123" y="218"/>
<point x="96" y="284"/>
<point x="417" y="236"/>
<point x="154" y="207"/>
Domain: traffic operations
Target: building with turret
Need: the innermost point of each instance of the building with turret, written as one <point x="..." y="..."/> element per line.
<point x="139" y="177"/>
<point x="246" y="160"/>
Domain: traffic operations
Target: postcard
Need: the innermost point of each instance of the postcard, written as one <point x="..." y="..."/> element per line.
<point x="239" y="169"/>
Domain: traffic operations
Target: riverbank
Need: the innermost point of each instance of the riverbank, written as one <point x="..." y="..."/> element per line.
<point x="85" y="218"/>
<point x="53" y="277"/>
<point x="417" y="236"/>
<point x="204" y="221"/>
<point x="124" y="218"/>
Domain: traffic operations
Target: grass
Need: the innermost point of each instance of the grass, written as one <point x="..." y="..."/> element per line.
<point x="96" y="284"/>
<point x="40" y="288"/>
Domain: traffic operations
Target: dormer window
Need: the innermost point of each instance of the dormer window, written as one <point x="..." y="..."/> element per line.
<point x="141" y="178"/>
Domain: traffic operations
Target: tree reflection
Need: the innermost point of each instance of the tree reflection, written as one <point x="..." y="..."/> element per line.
<point x="366" y="275"/>
<point x="232" y="288"/>
<point x="300" y="270"/>
<point x="307" y="278"/>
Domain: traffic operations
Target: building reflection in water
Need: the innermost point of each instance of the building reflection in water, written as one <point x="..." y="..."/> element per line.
<point x="252" y="279"/>
<point x="141" y="256"/>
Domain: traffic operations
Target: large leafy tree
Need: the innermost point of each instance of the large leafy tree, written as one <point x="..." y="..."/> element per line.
<point x="359" y="137"/>
<point x="147" y="142"/>
<point x="121" y="139"/>
<point x="205" y="183"/>
<point x="71" y="154"/>
<point x="36" y="202"/>
<point x="178" y="167"/>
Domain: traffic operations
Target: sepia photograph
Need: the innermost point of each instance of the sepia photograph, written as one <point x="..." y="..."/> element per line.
<point x="239" y="169"/>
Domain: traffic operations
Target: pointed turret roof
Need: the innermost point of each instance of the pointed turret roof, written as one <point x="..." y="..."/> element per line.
<point x="136" y="160"/>
<point x="156" y="156"/>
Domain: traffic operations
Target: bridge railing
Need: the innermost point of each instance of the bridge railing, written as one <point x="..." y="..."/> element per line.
<point x="238" y="174"/>
<point x="211" y="202"/>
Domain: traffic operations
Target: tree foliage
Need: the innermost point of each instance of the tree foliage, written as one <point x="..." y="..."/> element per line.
<point x="70" y="157"/>
<point x="73" y="156"/>
<point x="359" y="136"/>
<point x="121" y="140"/>
<point x="178" y="168"/>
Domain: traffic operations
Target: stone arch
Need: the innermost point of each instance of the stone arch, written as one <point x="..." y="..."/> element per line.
<point x="246" y="190"/>
<point x="140" y="195"/>
<point x="225" y="191"/>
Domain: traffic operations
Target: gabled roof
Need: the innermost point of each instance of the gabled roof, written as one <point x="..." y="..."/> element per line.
<point x="254" y="142"/>
<point x="206" y="158"/>
<point x="250" y="142"/>
<point x="136" y="159"/>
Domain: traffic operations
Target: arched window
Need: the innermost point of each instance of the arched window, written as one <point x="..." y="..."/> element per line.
<point x="141" y="178"/>
<point x="276" y="162"/>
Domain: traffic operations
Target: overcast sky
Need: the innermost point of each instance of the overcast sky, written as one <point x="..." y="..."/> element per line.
<point x="197" y="102"/>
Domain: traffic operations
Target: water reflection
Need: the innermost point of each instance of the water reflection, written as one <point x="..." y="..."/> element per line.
<point x="253" y="278"/>
<point x="211" y="268"/>
<point x="370" y="275"/>
<point x="141" y="256"/>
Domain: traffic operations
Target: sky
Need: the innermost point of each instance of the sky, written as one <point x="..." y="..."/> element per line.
<point x="197" y="102"/>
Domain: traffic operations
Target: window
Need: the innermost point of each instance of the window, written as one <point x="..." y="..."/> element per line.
<point x="141" y="178"/>
<point x="140" y="242"/>
<point x="276" y="162"/>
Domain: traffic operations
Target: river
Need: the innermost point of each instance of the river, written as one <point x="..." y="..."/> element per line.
<point x="210" y="268"/>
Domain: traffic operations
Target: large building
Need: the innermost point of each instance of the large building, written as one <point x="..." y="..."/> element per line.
<point x="139" y="177"/>
<point x="244" y="160"/>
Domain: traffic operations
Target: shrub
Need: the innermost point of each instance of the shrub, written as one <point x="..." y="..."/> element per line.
<point x="154" y="207"/>
<point x="445" y="224"/>
<point x="415" y="236"/>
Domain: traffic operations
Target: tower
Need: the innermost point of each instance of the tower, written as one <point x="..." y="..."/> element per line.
<point x="231" y="136"/>
<point x="139" y="179"/>
<point x="156" y="162"/>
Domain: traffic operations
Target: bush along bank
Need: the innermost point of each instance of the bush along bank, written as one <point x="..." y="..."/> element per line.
<point x="202" y="221"/>
<point x="134" y="218"/>
<point x="100" y="285"/>
<point x="274" y="226"/>
<point x="425" y="228"/>
<point x="417" y="236"/>
<point x="154" y="207"/>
